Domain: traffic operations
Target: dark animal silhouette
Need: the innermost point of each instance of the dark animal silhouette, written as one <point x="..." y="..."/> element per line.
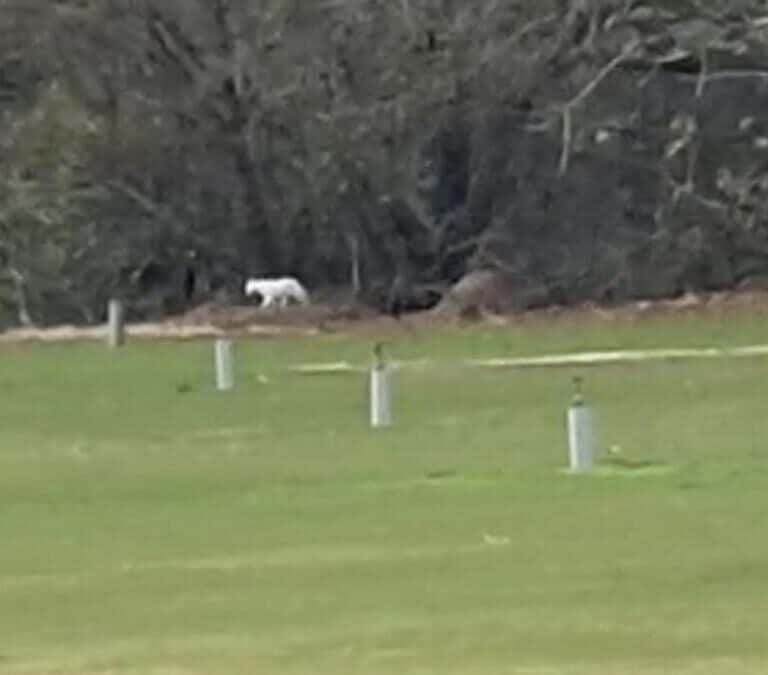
<point x="404" y="297"/>
<point x="397" y="298"/>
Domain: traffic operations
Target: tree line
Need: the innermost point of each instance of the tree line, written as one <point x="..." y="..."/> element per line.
<point x="161" y="150"/>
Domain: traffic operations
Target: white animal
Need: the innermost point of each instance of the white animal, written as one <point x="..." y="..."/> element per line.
<point x="280" y="291"/>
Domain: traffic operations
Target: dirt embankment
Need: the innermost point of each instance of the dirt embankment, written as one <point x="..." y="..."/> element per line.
<point x="218" y="319"/>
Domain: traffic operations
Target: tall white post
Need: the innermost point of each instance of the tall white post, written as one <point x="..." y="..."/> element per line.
<point x="225" y="365"/>
<point x="380" y="391"/>
<point x="581" y="439"/>
<point x="115" y="323"/>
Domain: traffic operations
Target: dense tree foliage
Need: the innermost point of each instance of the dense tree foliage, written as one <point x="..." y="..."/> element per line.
<point x="162" y="149"/>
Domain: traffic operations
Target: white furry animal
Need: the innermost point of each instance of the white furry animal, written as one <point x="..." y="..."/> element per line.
<point x="280" y="291"/>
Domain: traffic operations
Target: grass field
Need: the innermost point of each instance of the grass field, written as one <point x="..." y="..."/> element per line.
<point x="149" y="525"/>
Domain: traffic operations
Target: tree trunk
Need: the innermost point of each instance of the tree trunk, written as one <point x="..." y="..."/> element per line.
<point x="22" y="307"/>
<point x="253" y="218"/>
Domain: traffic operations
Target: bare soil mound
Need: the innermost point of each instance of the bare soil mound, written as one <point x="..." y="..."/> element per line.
<point x="486" y="293"/>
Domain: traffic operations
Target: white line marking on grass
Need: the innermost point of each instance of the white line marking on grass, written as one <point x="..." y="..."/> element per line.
<point x="625" y="356"/>
<point x="325" y="368"/>
<point x="337" y="367"/>
<point x="567" y="359"/>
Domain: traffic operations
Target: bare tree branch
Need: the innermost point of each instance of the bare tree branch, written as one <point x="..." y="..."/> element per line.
<point x="567" y="108"/>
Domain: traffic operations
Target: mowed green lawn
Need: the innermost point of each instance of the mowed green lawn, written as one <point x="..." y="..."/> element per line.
<point x="150" y="525"/>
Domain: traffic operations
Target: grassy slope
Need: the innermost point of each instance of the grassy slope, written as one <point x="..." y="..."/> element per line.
<point x="149" y="531"/>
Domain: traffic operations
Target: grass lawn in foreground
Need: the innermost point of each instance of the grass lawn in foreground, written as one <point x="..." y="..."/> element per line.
<point x="151" y="525"/>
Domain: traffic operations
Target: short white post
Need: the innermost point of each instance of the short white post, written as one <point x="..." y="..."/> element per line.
<point x="580" y="432"/>
<point x="380" y="391"/>
<point x="115" y="324"/>
<point x="225" y="365"/>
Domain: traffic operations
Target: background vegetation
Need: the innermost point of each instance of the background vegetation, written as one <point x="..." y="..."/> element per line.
<point x="162" y="149"/>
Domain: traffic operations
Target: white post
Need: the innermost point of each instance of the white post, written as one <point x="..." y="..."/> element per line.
<point x="116" y="323"/>
<point x="380" y="391"/>
<point x="225" y="365"/>
<point x="580" y="433"/>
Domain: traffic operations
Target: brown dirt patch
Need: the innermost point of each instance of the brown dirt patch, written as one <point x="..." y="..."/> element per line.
<point x="219" y="319"/>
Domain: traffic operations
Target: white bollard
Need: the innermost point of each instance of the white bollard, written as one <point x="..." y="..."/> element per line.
<point x="580" y="433"/>
<point x="225" y="365"/>
<point x="380" y="391"/>
<point x="115" y="324"/>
